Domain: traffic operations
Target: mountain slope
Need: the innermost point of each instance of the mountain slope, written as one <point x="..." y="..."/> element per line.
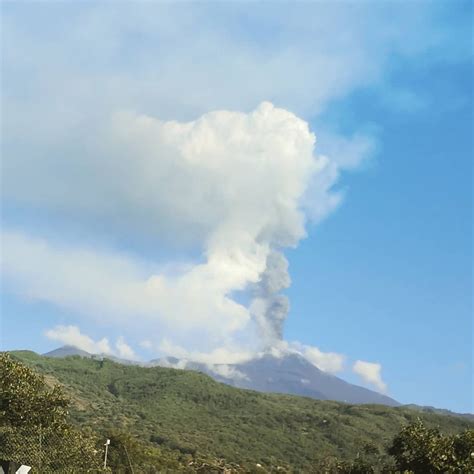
<point x="66" y="351"/>
<point x="294" y="374"/>
<point x="189" y="411"/>
<point x="291" y="374"/>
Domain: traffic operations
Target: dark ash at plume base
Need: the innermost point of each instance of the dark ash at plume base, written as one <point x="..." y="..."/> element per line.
<point x="269" y="307"/>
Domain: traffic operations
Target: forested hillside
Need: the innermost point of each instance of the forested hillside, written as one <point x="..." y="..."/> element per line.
<point x="190" y="413"/>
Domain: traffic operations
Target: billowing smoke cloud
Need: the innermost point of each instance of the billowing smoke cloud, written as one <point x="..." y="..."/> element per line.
<point x="235" y="187"/>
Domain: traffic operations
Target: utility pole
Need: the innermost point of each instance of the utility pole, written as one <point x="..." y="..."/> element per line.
<point x="106" y="450"/>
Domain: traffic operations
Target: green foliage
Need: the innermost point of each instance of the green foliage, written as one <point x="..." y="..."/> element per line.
<point x="25" y="400"/>
<point x="33" y="424"/>
<point x="128" y="454"/>
<point x="420" y="449"/>
<point x="168" y="418"/>
<point x="415" y="449"/>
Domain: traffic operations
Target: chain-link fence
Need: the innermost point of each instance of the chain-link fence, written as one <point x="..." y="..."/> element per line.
<point x="67" y="450"/>
<point x="63" y="450"/>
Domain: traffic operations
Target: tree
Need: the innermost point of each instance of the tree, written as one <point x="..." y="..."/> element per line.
<point x="25" y="400"/>
<point x="34" y="426"/>
<point x="420" y="449"/>
<point x="416" y="449"/>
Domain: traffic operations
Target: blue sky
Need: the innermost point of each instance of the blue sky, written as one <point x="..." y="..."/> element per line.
<point x="383" y="277"/>
<point x="398" y="255"/>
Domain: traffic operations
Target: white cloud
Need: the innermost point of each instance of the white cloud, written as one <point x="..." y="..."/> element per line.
<point x="348" y="152"/>
<point x="219" y="360"/>
<point x="330" y="362"/>
<point x="233" y="183"/>
<point x="180" y="364"/>
<point x="117" y="288"/>
<point x="227" y="371"/>
<point x="219" y="355"/>
<point x="370" y="372"/>
<point x="72" y="336"/>
<point x="57" y="108"/>
<point x="183" y="180"/>
<point x="302" y="58"/>
<point x="124" y="351"/>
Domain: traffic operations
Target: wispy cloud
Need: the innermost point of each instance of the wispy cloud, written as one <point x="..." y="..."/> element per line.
<point x="218" y="355"/>
<point x="301" y="57"/>
<point x="331" y="362"/>
<point x="370" y="372"/>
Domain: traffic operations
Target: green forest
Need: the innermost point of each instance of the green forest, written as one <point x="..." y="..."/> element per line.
<point x="57" y="414"/>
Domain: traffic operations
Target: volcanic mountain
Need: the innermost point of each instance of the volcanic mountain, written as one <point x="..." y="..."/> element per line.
<point x="288" y="373"/>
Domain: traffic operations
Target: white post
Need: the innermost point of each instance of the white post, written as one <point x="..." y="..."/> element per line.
<point x="106" y="450"/>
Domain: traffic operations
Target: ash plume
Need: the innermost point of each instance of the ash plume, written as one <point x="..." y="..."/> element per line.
<point x="270" y="308"/>
<point x="236" y="188"/>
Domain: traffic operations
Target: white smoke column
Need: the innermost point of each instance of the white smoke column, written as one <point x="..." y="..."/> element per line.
<point x="234" y="186"/>
<point x="246" y="174"/>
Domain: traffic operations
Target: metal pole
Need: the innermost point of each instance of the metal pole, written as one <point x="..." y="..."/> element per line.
<point x="106" y="450"/>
